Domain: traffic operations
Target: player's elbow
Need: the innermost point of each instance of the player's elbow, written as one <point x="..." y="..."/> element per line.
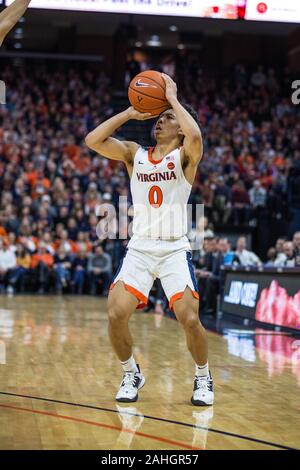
<point x="90" y="141"/>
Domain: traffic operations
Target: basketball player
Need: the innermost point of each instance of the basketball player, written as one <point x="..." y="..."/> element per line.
<point x="160" y="179"/>
<point x="10" y="16"/>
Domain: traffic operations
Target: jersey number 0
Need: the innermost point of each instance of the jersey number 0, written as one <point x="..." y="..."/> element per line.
<point x="155" y="197"/>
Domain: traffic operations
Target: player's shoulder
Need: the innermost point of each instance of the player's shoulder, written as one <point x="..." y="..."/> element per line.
<point x="141" y="151"/>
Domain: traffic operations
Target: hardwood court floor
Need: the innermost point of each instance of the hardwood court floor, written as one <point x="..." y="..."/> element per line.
<point x="58" y="385"/>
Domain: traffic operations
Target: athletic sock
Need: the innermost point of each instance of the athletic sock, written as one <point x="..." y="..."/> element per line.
<point x="202" y="371"/>
<point x="129" y="365"/>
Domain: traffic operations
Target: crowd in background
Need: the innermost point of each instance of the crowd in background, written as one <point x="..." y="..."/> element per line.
<point x="51" y="184"/>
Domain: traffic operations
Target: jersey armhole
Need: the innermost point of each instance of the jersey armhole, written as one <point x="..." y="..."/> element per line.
<point x="182" y="170"/>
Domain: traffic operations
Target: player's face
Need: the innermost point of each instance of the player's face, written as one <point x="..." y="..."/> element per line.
<point x="167" y="126"/>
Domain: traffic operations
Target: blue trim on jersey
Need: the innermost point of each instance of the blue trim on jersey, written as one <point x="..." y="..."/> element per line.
<point x="192" y="272"/>
<point x="120" y="266"/>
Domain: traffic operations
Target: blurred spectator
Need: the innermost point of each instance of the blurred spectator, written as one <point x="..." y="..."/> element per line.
<point x="17" y="275"/>
<point x="79" y="267"/>
<point x="8" y="262"/>
<point x="100" y="270"/>
<point x="271" y="257"/>
<point x="218" y="254"/>
<point x="203" y="230"/>
<point x="222" y="202"/>
<point x="296" y="244"/>
<point x="280" y="255"/>
<point x="290" y="255"/>
<point x="246" y="257"/>
<point x="41" y="263"/>
<point x="240" y="203"/>
<point x="62" y="269"/>
<point x="257" y="195"/>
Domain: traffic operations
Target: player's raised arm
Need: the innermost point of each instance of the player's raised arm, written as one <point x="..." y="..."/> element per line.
<point x="100" y="139"/>
<point x="193" y="144"/>
<point x="10" y="16"/>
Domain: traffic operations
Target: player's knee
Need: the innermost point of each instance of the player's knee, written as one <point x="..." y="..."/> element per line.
<point x="189" y="321"/>
<point x="116" y="315"/>
<point x="187" y="314"/>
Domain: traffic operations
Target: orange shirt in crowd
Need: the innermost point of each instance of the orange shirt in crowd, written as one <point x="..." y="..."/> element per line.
<point x="31" y="178"/>
<point x="3" y="232"/>
<point x="45" y="258"/>
<point x="72" y="244"/>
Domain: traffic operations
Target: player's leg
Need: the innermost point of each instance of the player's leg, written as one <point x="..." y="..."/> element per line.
<point x="121" y="305"/>
<point x="178" y="280"/>
<point x="186" y="310"/>
<point x="130" y="288"/>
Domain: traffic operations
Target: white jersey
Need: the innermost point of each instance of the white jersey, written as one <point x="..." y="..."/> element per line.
<point x="160" y="195"/>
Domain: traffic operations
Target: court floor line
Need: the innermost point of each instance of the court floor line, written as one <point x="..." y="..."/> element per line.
<point x="163" y="420"/>
<point x="102" y="425"/>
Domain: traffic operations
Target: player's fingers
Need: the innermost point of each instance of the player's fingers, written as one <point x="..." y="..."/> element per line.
<point x="147" y="116"/>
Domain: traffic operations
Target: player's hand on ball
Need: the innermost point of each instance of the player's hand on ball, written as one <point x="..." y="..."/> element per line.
<point x="171" y="88"/>
<point x="134" y="114"/>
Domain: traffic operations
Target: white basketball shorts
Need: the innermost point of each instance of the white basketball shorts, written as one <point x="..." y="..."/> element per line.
<point x="168" y="260"/>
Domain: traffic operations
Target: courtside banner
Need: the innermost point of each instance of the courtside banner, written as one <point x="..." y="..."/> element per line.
<point x="193" y="8"/>
<point x="267" y="296"/>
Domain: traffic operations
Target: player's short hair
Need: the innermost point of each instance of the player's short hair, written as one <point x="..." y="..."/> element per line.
<point x="192" y="112"/>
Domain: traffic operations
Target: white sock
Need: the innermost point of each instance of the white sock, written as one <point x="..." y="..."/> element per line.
<point x="202" y="371"/>
<point x="129" y="365"/>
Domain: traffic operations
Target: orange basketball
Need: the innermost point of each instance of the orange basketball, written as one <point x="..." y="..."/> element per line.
<point x="146" y="93"/>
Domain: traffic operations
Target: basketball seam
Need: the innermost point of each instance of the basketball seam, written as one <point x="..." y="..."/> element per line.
<point x="148" y="96"/>
<point x="157" y="111"/>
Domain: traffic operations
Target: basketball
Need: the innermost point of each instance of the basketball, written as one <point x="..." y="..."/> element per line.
<point x="146" y="93"/>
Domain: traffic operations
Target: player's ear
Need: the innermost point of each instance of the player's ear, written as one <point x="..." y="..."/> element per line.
<point x="180" y="133"/>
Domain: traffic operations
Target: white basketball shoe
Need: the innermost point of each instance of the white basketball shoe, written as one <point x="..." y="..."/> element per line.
<point x="132" y="382"/>
<point x="203" y="391"/>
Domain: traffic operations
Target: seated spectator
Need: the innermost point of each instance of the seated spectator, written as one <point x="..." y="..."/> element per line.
<point x="3" y="232"/>
<point x="204" y="265"/>
<point x="203" y="230"/>
<point x="68" y="245"/>
<point x="222" y="202"/>
<point x="271" y="256"/>
<point x="62" y="269"/>
<point x="8" y="262"/>
<point x="83" y="242"/>
<point x="258" y="199"/>
<point x="240" y="203"/>
<point x="42" y="263"/>
<point x="72" y="229"/>
<point x="246" y="257"/>
<point x="22" y="268"/>
<point x="47" y="239"/>
<point x="296" y="244"/>
<point x="289" y="251"/>
<point x="280" y="255"/>
<point x="12" y="240"/>
<point x="100" y="270"/>
<point x="224" y="256"/>
<point x="79" y="268"/>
